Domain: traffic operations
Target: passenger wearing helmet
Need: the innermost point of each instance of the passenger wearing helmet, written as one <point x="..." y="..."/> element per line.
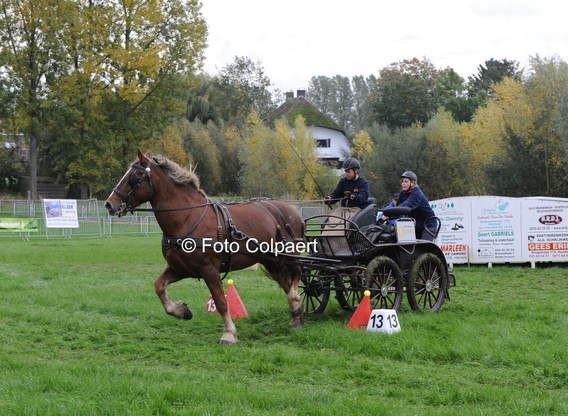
<point x="352" y="190"/>
<point x="412" y="196"/>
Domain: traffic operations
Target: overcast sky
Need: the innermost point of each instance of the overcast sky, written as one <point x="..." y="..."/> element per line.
<point x="295" y="40"/>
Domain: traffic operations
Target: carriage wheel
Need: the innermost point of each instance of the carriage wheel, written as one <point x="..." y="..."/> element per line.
<point x="384" y="280"/>
<point x="427" y="283"/>
<point x="314" y="290"/>
<point x="350" y="288"/>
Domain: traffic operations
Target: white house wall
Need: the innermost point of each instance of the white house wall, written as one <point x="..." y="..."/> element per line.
<point x="339" y="148"/>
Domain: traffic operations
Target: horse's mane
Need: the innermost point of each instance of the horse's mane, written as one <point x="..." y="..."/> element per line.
<point x="177" y="174"/>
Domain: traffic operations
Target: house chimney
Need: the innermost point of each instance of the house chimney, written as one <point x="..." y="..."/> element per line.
<point x="289" y="95"/>
<point x="300" y="93"/>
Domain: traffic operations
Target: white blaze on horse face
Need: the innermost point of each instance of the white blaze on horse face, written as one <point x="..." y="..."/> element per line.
<point x="122" y="179"/>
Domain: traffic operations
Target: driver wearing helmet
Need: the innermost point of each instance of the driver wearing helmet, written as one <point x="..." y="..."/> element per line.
<point x="412" y="196"/>
<point x="352" y="190"/>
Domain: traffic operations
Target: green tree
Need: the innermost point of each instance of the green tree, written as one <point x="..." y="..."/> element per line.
<point x="522" y="154"/>
<point x="100" y="69"/>
<point x="334" y="97"/>
<point x="446" y="172"/>
<point x="395" y="151"/>
<point x="363" y="90"/>
<point x="281" y="162"/>
<point x="261" y="161"/>
<point x="546" y="86"/>
<point x="199" y="105"/>
<point x="231" y="164"/>
<point x="492" y="73"/>
<point x="513" y="173"/>
<point x="12" y="168"/>
<point x="362" y="145"/>
<point x="452" y="95"/>
<point x="205" y="155"/>
<point x="241" y="87"/>
<point x="406" y="93"/>
<point x="29" y="57"/>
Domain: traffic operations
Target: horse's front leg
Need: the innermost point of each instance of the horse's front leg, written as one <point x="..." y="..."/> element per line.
<point x="215" y="285"/>
<point x="177" y="309"/>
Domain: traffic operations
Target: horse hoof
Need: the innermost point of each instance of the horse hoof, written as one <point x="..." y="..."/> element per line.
<point x="187" y="315"/>
<point x="228" y="339"/>
<point x="297" y="323"/>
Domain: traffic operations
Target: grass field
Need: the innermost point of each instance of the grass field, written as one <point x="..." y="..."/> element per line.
<point x="84" y="334"/>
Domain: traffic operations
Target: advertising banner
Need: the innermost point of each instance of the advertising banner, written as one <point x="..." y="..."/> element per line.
<point x="545" y="229"/>
<point x="496" y="225"/>
<point x="60" y="213"/>
<point x="454" y="238"/>
<point x="496" y="229"/>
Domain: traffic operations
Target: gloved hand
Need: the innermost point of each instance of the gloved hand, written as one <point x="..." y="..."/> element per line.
<point x="327" y="200"/>
<point x="348" y="195"/>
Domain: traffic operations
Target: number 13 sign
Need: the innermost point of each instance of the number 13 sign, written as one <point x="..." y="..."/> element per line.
<point x="383" y="320"/>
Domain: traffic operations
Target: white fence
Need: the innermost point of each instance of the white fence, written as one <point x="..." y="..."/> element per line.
<point x="93" y="220"/>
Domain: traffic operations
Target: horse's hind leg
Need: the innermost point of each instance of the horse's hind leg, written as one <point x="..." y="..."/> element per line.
<point x="177" y="309"/>
<point x="288" y="279"/>
<point x="296" y="305"/>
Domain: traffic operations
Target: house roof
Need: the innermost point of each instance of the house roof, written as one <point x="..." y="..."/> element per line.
<point x="293" y="107"/>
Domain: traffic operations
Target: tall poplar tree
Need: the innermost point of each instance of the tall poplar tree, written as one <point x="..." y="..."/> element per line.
<point x="29" y="57"/>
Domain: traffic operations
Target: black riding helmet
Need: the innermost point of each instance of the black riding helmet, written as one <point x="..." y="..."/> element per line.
<point x="409" y="175"/>
<point x="351" y="163"/>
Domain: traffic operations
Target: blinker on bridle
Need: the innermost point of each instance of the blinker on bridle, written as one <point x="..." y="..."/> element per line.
<point x="124" y="207"/>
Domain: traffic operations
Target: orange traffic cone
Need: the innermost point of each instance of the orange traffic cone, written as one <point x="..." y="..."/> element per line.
<point x="360" y="318"/>
<point x="236" y="307"/>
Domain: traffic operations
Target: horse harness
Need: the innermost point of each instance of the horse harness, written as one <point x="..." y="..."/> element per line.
<point x="225" y="221"/>
<point x="222" y="215"/>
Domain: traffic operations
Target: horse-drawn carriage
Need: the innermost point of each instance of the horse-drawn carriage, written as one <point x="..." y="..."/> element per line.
<point x="203" y="238"/>
<point x="354" y="255"/>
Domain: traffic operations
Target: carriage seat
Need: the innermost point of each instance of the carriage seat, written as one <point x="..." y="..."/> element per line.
<point x="435" y="229"/>
<point x="367" y="215"/>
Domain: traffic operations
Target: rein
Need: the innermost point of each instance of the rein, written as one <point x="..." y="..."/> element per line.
<point x="172" y="209"/>
<point x="209" y="202"/>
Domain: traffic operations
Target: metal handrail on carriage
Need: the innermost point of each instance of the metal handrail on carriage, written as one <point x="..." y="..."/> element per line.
<point x="385" y="266"/>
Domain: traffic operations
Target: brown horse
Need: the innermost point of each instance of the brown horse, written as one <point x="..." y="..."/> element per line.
<point x="204" y="238"/>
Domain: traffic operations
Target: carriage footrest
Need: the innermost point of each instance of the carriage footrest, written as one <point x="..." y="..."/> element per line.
<point x="309" y="260"/>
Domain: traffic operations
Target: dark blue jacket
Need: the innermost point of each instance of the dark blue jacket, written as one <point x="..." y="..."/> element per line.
<point x="358" y="187"/>
<point x="419" y="206"/>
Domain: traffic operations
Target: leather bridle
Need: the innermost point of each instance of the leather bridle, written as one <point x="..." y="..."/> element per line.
<point x="124" y="207"/>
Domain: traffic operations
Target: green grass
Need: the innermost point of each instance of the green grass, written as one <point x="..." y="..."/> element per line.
<point x="84" y="334"/>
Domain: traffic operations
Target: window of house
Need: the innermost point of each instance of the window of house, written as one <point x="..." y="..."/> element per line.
<point x="323" y="142"/>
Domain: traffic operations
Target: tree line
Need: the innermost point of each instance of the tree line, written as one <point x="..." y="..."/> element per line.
<point x="86" y="82"/>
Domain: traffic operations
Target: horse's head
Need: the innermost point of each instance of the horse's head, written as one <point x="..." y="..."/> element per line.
<point x="134" y="188"/>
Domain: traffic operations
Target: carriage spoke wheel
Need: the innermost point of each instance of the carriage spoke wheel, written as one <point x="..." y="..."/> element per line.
<point x="383" y="278"/>
<point x="350" y="287"/>
<point x="314" y="290"/>
<point x="427" y="283"/>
